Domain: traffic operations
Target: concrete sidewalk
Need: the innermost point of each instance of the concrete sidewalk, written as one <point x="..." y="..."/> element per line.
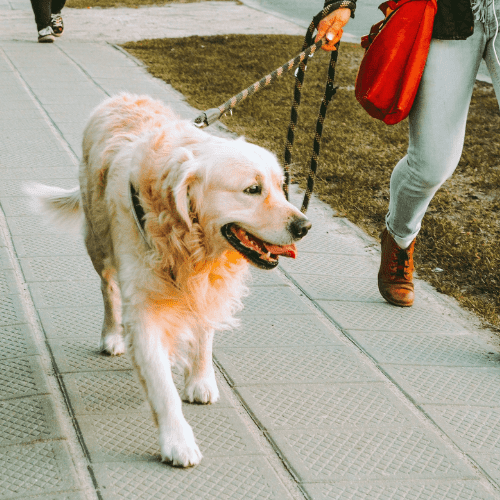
<point x="327" y="391"/>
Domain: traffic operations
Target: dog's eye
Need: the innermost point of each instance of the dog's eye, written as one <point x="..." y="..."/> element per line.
<point x="255" y="189"/>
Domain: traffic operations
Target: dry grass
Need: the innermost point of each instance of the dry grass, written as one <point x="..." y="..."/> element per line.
<point x="460" y="233"/>
<point x="106" y="4"/>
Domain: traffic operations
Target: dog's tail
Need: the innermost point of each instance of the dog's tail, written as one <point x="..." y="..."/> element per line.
<point x="62" y="207"/>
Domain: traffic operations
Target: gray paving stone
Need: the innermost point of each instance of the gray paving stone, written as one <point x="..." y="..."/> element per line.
<point x="122" y="438"/>
<point x="22" y="377"/>
<point x="64" y="322"/>
<point x="47" y="245"/>
<point x="232" y="478"/>
<point x="445" y="385"/>
<point x="339" y="406"/>
<point x="340" y="265"/>
<point x="278" y="331"/>
<point x="98" y="393"/>
<point x="407" y="453"/>
<point x="83" y="355"/>
<point x="490" y="463"/>
<point x="11" y="310"/>
<point x="7" y="282"/>
<point x="320" y="240"/>
<point x="116" y="392"/>
<point x="266" y="278"/>
<point x="385" y="317"/>
<point x="16" y="340"/>
<point x="422" y="349"/>
<point x="66" y="293"/>
<point x="274" y="300"/>
<point x="294" y="365"/>
<point x="30" y="225"/>
<point x="27" y="470"/>
<point x="338" y="288"/>
<point x="25" y="420"/>
<point x="58" y="268"/>
<point x="14" y="187"/>
<point x="473" y="429"/>
<point x="392" y="490"/>
<point x="69" y="495"/>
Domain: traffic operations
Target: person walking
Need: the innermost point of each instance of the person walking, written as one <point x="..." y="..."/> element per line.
<point x="49" y="22"/>
<point x="464" y="33"/>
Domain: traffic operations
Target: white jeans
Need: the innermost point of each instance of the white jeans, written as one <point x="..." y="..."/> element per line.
<point x="437" y="124"/>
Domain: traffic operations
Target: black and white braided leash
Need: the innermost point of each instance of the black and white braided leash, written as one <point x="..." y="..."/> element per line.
<point x="308" y="49"/>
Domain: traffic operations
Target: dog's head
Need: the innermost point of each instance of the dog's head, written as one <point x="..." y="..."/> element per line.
<point x="234" y="190"/>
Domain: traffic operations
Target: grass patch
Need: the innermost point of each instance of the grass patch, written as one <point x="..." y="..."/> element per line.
<point x="461" y="231"/>
<point x="106" y="4"/>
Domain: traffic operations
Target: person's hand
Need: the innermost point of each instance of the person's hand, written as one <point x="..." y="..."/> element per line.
<point x="331" y="27"/>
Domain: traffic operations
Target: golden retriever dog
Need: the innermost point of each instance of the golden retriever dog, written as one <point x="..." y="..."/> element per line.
<point x="172" y="216"/>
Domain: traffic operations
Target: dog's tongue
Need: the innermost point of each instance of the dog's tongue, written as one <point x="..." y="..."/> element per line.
<point x="285" y="250"/>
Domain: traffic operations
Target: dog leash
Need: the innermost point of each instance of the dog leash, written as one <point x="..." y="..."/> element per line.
<point x="308" y="49"/>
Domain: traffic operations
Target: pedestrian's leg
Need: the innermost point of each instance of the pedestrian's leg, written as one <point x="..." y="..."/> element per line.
<point x="492" y="51"/>
<point x="41" y="9"/>
<point x="57" y="6"/>
<point x="437" y="129"/>
<point x="56" y="17"/>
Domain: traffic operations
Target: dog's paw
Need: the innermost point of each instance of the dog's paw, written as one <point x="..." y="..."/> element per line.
<point x="113" y="344"/>
<point x="203" y="391"/>
<point x="179" y="448"/>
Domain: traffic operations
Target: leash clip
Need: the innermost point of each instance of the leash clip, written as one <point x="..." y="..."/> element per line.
<point x="207" y="118"/>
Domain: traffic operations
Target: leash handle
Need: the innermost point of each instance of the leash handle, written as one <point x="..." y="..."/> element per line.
<point x="328" y="95"/>
<point x="213" y="114"/>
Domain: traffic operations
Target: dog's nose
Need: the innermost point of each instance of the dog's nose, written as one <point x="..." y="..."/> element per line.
<point x="299" y="227"/>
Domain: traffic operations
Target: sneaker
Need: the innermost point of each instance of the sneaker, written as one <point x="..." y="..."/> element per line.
<point x="395" y="277"/>
<point x="57" y="24"/>
<point x="46" y="35"/>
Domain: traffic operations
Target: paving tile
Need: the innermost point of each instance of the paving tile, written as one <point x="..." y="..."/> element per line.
<point x="231" y="478"/>
<point x="69" y="495"/>
<point x="63" y="322"/>
<point x="340" y="265"/>
<point x="445" y="385"/>
<point x="422" y="349"/>
<point x="105" y="392"/>
<point x="21" y="377"/>
<point x="8" y="281"/>
<point x="490" y="463"/>
<point x="11" y="310"/>
<point x="339" y="406"/>
<point x="340" y="288"/>
<point x="408" y="453"/>
<point x="28" y="419"/>
<point x="386" y="317"/>
<point x="278" y="331"/>
<point x="30" y="225"/>
<point x="15" y="341"/>
<point x="274" y="300"/>
<point x="117" y="392"/>
<point x="66" y="293"/>
<point x="473" y="429"/>
<point x="14" y="187"/>
<point x="40" y="245"/>
<point x="294" y="365"/>
<point x="58" y="268"/>
<point x="266" y="278"/>
<point x="319" y="240"/>
<point x="27" y="470"/>
<point x="122" y="438"/>
<point x="83" y="355"/>
<point x="392" y="490"/>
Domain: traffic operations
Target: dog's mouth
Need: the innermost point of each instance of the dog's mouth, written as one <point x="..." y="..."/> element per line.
<point x="257" y="251"/>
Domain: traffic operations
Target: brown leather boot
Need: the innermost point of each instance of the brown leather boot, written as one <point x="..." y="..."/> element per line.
<point x="395" y="277"/>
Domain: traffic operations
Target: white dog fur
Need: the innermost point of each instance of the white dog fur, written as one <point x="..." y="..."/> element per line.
<point x="165" y="293"/>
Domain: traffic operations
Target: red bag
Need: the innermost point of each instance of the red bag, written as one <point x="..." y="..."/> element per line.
<point x="392" y="67"/>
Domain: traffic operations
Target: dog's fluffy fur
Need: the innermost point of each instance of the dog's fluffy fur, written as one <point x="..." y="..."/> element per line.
<point x="166" y="293"/>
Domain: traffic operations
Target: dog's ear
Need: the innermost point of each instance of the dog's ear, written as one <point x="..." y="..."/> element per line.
<point x="186" y="176"/>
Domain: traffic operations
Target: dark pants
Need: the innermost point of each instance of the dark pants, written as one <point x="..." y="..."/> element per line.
<point x="43" y="9"/>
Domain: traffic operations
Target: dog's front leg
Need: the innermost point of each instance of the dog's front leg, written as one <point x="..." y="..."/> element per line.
<point x="200" y="383"/>
<point x="150" y="354"/>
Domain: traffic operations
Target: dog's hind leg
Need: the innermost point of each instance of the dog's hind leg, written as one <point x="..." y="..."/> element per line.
<point x="150" y="356"/>
<point x="200" y="383"/>
<point x="112" y="341"/>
